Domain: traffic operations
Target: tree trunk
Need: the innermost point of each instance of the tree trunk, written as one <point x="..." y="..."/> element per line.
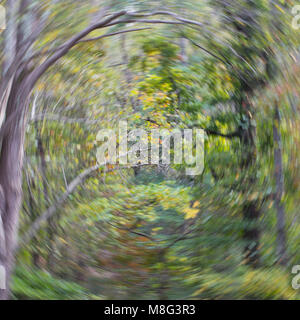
<point x="251" y="209"/>
<point x="279" y="206"/>
<point x="11" y="161"/>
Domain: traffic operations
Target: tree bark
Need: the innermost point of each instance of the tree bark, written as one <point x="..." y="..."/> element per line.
<point x="11" y="162"/>
<point x="279" y="178"/>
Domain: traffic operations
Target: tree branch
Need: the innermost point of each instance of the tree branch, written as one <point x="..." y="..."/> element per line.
<point x="43" y="52"/>
<point x="51" y="210"/>
<point x="224" y="135"/>
<point x="205" y="50"/>
<point x="234" y="134"/>
<point x="113" y="34"/>
<point x="166" y="13"/>
<point x="36" y="74"/>
<point x="133" y="232"/>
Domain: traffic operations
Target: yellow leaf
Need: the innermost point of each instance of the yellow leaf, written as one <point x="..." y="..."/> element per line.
<point x="196" y="204"/>
<point x="190" y="213"/>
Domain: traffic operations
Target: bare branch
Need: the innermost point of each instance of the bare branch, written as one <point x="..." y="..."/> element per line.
<point x="133" y="232"/>
<point x="43" y="52"/>
<point x="36" y="74"/>
<point x="51" y="210"/>
<point x="113" y="34"/>
<point x="144" y="21"/>
<point x="234" y="134"/>
<point x="224" y="135"/>
<point x="166" y="13"/>
<point x="205" y="50"/>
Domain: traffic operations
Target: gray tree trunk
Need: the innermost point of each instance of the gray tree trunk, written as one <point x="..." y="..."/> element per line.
<point x="11" y="162"/>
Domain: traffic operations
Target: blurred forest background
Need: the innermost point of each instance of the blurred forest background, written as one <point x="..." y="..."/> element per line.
<point x="150" y="232"/>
